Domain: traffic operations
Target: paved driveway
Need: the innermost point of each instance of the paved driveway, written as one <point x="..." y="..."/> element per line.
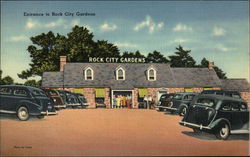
<point x="111" y="132"/>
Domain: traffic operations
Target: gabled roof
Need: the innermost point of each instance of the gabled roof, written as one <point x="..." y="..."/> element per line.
<point x="196" y="77"/>
<point x="136" y="76"/>
<point x="104" y="75"/>
<point x="240" y="85"/>
<point x="52" y="80"/>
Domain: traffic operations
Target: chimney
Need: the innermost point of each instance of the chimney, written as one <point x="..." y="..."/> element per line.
<point x="210" y="65"/>
<point x="62" y="62"/>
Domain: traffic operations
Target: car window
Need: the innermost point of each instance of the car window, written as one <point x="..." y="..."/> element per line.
<point x="5" y="90"/>
<point x="38" y="93"/>
<point x="226" y="106"/>
<point x="177" y="96"/>
<point x="20" y="92"/>
<point x="188" y="97"/>
<point x="53" y="93"/>
<point x="235" y="106"/>
<point x="206" y="102"/>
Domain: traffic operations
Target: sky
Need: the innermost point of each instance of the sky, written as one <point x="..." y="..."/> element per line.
<point x="217" y="30"/>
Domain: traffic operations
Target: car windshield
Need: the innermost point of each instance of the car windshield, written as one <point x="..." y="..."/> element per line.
<point x="177" y="96"/>
<point x="38" y="93"/>
<point x="206" y="102"/>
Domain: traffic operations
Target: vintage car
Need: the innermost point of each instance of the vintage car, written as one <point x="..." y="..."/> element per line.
<point x="218" y="115"/>
<point x="164" y="100"/>
<point x="25" y="101"/>
<point x="55" y="96"/>
<point x="180" y="102"/>
<point x="81" y="99"/>
<point x="69" y="99"/>
<point x="234" y="94"/>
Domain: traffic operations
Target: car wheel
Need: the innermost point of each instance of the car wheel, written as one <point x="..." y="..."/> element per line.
<point x="196" y="130"/>
<point x="40" y="117"/>
<point x="183" y="111"/>
<point x="23" y="113"/>
<point x="223" y="132"/>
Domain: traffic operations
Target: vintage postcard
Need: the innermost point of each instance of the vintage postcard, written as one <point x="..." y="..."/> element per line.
<point x="124" y="78"/>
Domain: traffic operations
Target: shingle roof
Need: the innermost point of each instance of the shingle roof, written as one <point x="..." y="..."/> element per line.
<point x="136" y="76"/>
<point x="240" y="85"/>
<point x="195" y="77"/>
<point x="52" y="79"/>
<point x="104" y="75"/>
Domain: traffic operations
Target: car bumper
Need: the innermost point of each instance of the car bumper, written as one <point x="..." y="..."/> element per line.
<point x="60" y="106"/>
<point x="168" y="108"/>
<point x="196" y="126"/>
<point x="48" y="113"/>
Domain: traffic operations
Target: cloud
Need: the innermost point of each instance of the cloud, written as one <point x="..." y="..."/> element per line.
<point x="108" y="27"/>
<point x="180" y="40"/>
<point x="222" y="48"/>
<point x="57" y="23"/>
<point x="181" y="27"/>
<point x="126" y="45"/>
<point x="218" y="31"/>
<point x="19" y="38"/>
<point x="30" y="24"/>
<point x="148" y="23"/>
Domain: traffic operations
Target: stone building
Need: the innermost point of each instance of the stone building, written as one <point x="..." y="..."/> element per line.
<point x="104" y="82"/>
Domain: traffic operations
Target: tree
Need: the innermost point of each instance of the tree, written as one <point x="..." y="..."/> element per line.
<point x="7" y="80"/>
<point x="156" y="57"/>
<point x="182" y="58"/>
<point x="78" y="46"/>
<point x="219" y="72"/>
<point x="33" y="83"/>
<point x="135" y="54"/>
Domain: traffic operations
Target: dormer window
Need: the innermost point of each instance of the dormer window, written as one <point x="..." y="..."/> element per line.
<point x="88" y="74"/>
<point x="151" y="74"/>
<point x="120" y="74"/>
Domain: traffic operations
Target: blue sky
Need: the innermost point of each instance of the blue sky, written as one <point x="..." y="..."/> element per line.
<point x="217" y="30"/>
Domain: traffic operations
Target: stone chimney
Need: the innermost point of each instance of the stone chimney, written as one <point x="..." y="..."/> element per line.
<point x="62" y="62"/>
<point x="210" y="65"/>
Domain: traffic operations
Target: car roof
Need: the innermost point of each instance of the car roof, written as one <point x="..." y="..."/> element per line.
<point x="224" y="91"/>
<point x="184" y="93"/>
<point x="221" y="97"/>
<point x="21" y="86"/>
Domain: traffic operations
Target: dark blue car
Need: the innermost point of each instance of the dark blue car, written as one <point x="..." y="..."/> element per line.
<point x="25" y="101"/>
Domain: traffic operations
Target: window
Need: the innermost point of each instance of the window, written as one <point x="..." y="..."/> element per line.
<point x="151" y="74"/>
<point x="243" y="107"/>
<point x="177" y="96"/>
<point x="89" y="73"/>
<point x="235" y="106"/>
<point x="120" y="74"/>
<point x="226" y="107"/>
<point x="206" y="102"/>
<point x="20" y="92"/>
<point x="5" y="91"/>
<point x="189" y="97"/>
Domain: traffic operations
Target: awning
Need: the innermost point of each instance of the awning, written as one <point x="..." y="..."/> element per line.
<point x="207" y="88"/>
<point x="78" y="90"/>
<point x="143" y="92"/>
<point x="99" y="93"/>
<point x="188" y="89"/>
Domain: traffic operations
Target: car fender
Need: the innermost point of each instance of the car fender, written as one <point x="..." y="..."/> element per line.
<point x="217" y="123"/>
<point x="31" y="106"/>
<point x="182" y="105"/>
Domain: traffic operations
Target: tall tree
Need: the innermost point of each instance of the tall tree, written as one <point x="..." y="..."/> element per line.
<point x="135" y="54"/>
<point x="7" y="80"/>
<point x="156" y="57"/>
<point x="182" y="58"/>
<point x="219" y="72"/>
<point x="33" y="83"/>
<point x="78" y="46"/>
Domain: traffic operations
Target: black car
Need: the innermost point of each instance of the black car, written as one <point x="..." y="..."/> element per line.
<point x="82" y="100"/>
<point x="218" y="115"/>
<point x="234" y="94"/>
<point x="164" y="100"/>
<point x="25" y="101"/>
<point x="180" y="102"/>
<point x="69" y="99"/>
<point x="55" y="96"/>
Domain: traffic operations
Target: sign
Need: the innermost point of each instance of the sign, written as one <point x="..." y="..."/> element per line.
<point x="116" y="60"/>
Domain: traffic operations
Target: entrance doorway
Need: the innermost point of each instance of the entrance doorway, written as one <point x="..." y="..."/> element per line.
<point x="122" y="99"/>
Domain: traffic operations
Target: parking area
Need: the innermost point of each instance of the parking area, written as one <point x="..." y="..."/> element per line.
<point x="111" y="132"/>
